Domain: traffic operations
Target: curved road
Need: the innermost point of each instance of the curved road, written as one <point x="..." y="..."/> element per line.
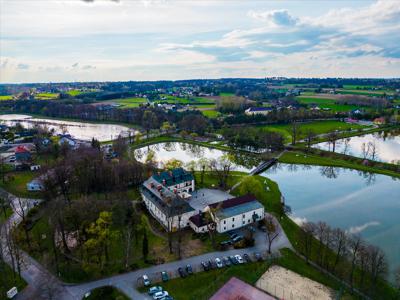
<point x="39" y="279"/>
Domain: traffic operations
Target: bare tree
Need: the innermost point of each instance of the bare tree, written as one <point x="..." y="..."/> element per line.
<point x="295" y="131"/>
<point x="378" y="266"/>
<point x="20" y="207"/>
<point x="321" y="230"/>
<point x="222" y="167"/>
<point x="310" y="136"/>
<point x="363" y="261"/>
<point x="339" y="239"/>
<point x="364" y="150"/>
<point x="346" y="145"/>
<point x="273" y="230"/>
<point x="355" y="243"/>
<point x="332" y="137"/>
<point x="306" y="233"/>
<point x="372" y="150"/>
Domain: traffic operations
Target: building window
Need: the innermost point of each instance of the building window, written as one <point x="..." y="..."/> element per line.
<point x="233" y="225"/>
<point x="244" y="222"/>
<point x="233" y="219"/>
<point x="224" y="221"/>
<point x="224" y="227"/>
<point x="248" y="221"/>
<point x="243" y="216"/>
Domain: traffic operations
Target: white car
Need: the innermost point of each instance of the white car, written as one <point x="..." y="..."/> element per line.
<point x="218" y="262"/>
<point x="239" y="259"/>
<point x="146" y="280"/>
<point x="160" y="295"/>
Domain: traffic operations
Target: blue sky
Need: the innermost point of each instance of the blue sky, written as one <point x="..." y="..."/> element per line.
<point x="99" y="40"/>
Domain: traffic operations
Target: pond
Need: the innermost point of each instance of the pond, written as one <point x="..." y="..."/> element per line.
<point x="364" y="203"/>
<point x="385" y="143"/>
<point x="186" y="153"/>
<point x="79" y="130"/>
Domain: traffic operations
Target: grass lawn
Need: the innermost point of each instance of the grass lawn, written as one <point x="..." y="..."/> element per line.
<point x="6" y="97"/>
<point x="47" y="96"/>
<point x="326" y="103"/>
<point x="189" y="100"/>
<point x="107" y="293"/>
<point x="204" y="284"/>
<point x="310" y="159"/>
<point x="319" y="127"/>
<point x="212" y="114"/>
<point x="16" y="184"/>
<point x="8" y="213"/>
<point x="129" y="102"/>
<point x="9" y="280"/>
<point x="74" y="92"/>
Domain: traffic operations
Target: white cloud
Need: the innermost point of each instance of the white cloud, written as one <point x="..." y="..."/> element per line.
<point x="359" y="229"/>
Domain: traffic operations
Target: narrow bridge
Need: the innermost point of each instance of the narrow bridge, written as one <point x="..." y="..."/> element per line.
<point x="265" y="165"/>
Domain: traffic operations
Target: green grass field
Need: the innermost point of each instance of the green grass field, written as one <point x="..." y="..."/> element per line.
<point x="211" y="113"/>
<point x="191" y="100"/>
<point x="74" y="92"/>
<point x="326" y="103"/>
<point x="129" y="102"/>
<point x="6" y="97"/>
<point x="47" y="96"/>
<point x="363" y="92"/>
<point x="319" y="127"/>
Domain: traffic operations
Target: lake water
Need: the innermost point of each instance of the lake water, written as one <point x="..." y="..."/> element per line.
<point x="188" y="152"/>
<point x="364" y="203"/>
<point x="79" y="130"/>
<point x="387" y="145"/>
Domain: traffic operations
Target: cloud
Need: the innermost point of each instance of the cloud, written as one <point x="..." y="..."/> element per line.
<point x="21" y="66"/>
<point x="75" y="65"/>
<point x="275" y="17"/>
<point x="88" y="67"/>
<point x="359" y="229"/>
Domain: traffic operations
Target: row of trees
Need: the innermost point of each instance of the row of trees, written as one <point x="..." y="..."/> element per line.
<point x="344" y="254"/>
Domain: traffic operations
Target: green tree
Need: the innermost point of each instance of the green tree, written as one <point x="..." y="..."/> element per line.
<point x="173" y="163"/>
<point x="145" y="245"/>
<point x="250" y="185"/>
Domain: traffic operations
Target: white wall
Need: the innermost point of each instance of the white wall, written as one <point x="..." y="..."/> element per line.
<point x="235" y="222"/>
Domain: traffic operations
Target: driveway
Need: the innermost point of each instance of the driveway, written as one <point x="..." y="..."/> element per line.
<point x="38" y="277"/>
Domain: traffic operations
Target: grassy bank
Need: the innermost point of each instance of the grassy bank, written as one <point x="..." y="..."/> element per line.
<point x="9" y="280"/>
<point x="16" y="184"/>
<point x="299" y="157"/>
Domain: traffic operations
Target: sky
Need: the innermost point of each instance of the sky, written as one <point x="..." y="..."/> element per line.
<point x="114" y="40"/>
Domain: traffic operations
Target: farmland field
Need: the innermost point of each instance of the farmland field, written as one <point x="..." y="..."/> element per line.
<point x="211" y="113"/>
<point x="363" y="92"/>
<point x="128" y="102"/>
<point x="47" y="96"/>
<point x="178" y="100"/>
<point x="326" y="103"/>
<point x="319" y="127"/>
<point x="74" y="92"/>
<point x="6" y="97"/>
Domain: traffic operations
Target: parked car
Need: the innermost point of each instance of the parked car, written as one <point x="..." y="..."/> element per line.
<point x="181" y="272"/>
<point x="189" y="269"/>
<point x="237" y="238"/>
<point x="146" y="280"/>
<point x="258" y="256"/>
<point x="226" y="243"/>
<point x="232" y="235"/>
<point x="167" y="298"/>
<point x="219" y="263"/>
<point x="205" y="266"/>
<point x="227" y="262"/>
<point x="211" y="264"/>
<point x="239" y="259"/>
<point x="233" y="260"/>
<point x="155" y="289"/>
<point x="164" y="276"/>
<point x="246" y="257"/>
<point x="160" y="295"/>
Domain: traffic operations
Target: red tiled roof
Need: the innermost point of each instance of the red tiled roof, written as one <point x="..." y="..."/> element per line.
<point x="236" y="289"/>
<point x="21" y="149"/>
<point x="234" y="201"/>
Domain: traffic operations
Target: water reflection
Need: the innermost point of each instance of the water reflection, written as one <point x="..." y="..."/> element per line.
<point x="79" y="130"/>
<point x="186" y="153"/>
<point x="382" y="146"/>
<point x="349" y="199"/>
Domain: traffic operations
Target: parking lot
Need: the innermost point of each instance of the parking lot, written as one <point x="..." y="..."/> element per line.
<point x="203" y="197"/>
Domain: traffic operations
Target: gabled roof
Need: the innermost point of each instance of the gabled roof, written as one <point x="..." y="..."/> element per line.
<point x="234" y="201"/>
<point x="173" y="177"/>
<point x="251" y="109"/>
<point x="200" y="219"/>
<point x="21" y="149"/>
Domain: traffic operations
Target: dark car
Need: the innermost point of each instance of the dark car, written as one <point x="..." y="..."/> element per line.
<point x="205" y="266"/>
<point x="237" y="238"/>
<point x="227" y="262"/>
<point x="232" y="235"/>
<point x="226" y="243"/>
<point x="168" y="297"/>
<point x="246" y="257"/>
<point x="258" y="256"/>
<point x="211" y="264"/>
<point x="181" y="272"/>
<point x="189" y="269"/>
<point x="233" y="260"/>
<point x="164" y="276"/>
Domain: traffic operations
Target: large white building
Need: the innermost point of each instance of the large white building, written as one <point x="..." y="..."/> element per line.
<point x="167" y="196"/>
<point x="229" y="214"/>
<point x="258" y="111"/>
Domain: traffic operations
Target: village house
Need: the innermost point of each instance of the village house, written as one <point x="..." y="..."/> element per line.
<point x="67" y="139"/>
<point x="258" y="111"/>
<point x="171" y="199"/>
<point x="22" y="154"/>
